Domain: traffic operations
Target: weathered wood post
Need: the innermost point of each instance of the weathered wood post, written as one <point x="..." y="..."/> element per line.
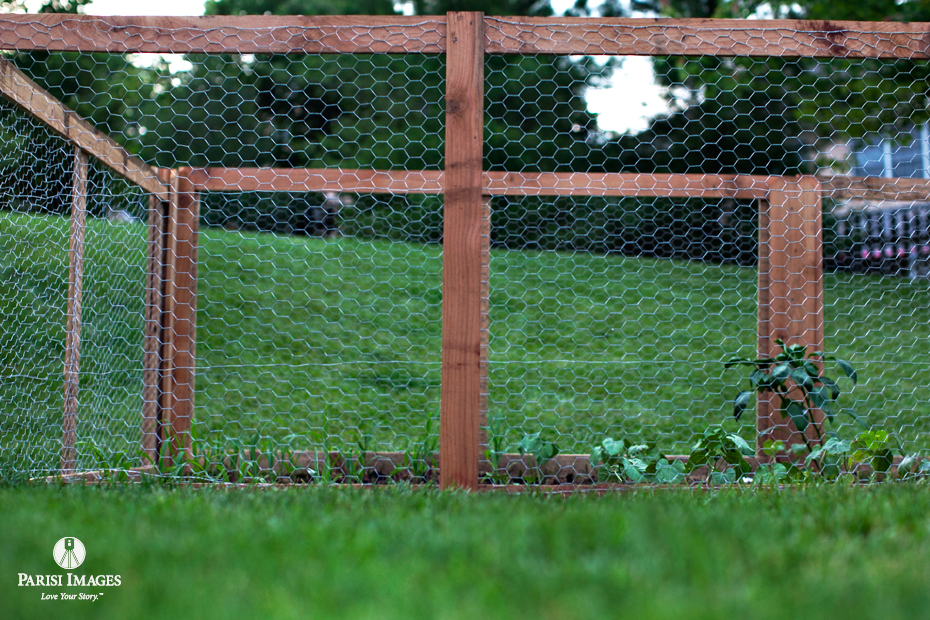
<point x="790" y="286"/>
<point x="180" y="314"/>
<point x="462" y="253"/>
<point x="155" y="335"/>
<point x="72" y="362"/>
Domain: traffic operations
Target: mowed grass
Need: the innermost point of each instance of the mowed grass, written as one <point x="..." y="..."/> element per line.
<point x="827" y="552"/>
<point x="313" y="342"/>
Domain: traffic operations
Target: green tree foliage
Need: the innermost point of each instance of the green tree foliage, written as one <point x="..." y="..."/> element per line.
<point x="775" y="115"/>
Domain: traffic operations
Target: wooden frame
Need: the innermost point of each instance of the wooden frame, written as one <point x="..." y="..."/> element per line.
<point x="179" y="317"/>
<point x="222" y="34"/>
<point x="790" y="262"/>
<point x="706" y="37"/>
<point x="790" y="288"/>
<point x="459" y="423"/>
<point x="255" y="34"/>
<point x="741" y="186"/>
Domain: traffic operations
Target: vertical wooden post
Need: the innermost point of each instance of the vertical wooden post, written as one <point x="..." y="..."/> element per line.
<point x="75" y="289"/>
<point x="155" y="317"/>
<point x="461" y="270"/>
<point x="790" y="286"/>
<point x="180" y="304"/>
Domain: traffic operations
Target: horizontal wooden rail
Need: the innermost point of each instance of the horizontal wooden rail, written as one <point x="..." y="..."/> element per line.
<point x="713" y="37"/>
<point x="316" y="180"/>
<point x="742" y="186"/>
<point x="625" y="184"/>
<point x="245" y="34"/>
<point x="254" y="34"/>
<point x="18" y="88"/>
<point x="876" y="188"/>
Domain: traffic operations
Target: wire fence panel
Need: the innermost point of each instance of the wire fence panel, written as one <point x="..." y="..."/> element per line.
<point x="247" y="282"/>
<point x="34" y="235"/>
<point x="328" y="340"/>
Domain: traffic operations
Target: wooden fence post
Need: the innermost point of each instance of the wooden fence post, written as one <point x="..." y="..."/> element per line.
<point x="180" y="308"/>
<point x="461" y="270"/>
<point x="155" y="333"/>
<point x="72" y="362"/>
<point x="790" y="286"/>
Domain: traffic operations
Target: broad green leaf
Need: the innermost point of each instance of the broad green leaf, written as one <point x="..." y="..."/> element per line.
<point x="698" y="457"/>
<point x="530" y="444"/>
<point x="613" y="447"/>
<point x="811" y="369"/>
<point x="725" y="477"/>
<point x="741" y="444"/>
<point x="830" y="471"/>
<point x="882" y="461"/>
<point x="847" y="370"/>
<point x="818" y="396"/>
<point x="668" y="474"/>
<point x="782" y="371"/>
<point x="837" y="446"/>
<point x="772" y="448"/>
<point x="739" y="405"/>
<point x="547" y="450"/>
<point x="798" y="414"/>
<point x="831" y="385"/>
<point x="801" y="378"/>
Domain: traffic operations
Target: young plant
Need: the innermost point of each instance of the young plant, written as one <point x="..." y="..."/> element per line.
<point x="542" y="450"/>
<point x="627" y="461"/>
<point x="795" y="379"/>
<point x="722" y="453"/>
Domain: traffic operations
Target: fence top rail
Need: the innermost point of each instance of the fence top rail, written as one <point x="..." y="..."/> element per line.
<point x="354" y="34"/>
<point x="707" y="37"/>
<point x="495" y="183"/>
<point x="238" y="34"/>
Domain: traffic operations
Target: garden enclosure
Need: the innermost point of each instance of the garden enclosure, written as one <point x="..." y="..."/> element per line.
<point x="398" y="234"/>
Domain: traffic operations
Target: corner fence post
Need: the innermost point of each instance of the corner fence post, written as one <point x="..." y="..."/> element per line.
<point x="155" y="317"/>
<point x="180" y="311"/>
<point x="790" y="287"/>
<point x="72" y="362"/>
<point x="459" y="420"/>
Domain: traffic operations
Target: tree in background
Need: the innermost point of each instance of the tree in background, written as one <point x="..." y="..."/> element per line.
<point x="109" y="90"/>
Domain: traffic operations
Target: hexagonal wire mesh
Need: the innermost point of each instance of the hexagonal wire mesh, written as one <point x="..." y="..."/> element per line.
<point x="616" y="295"/>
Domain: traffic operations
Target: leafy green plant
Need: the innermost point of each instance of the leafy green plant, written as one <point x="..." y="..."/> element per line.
<point x="875" y="447"/>
<point x="794" y="377"/>
<point x="722" y="453"/>
<point x="627" y="461"/>
<point x="542" y="450"/>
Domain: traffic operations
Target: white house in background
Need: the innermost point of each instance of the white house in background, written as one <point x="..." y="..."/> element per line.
<point x="889" y="236"/>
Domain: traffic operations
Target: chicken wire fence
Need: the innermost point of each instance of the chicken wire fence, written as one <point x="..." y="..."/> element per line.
<point x="623" y="267"/>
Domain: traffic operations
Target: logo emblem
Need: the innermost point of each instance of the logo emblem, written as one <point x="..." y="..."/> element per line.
<point x="69" y="552"/>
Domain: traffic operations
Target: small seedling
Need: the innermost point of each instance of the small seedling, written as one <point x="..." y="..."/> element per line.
<point x="542" y="450"/>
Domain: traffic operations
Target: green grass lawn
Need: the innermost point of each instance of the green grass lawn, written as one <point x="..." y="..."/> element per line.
<point x="310" y="341"/>
<point x="827" y="552"/>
